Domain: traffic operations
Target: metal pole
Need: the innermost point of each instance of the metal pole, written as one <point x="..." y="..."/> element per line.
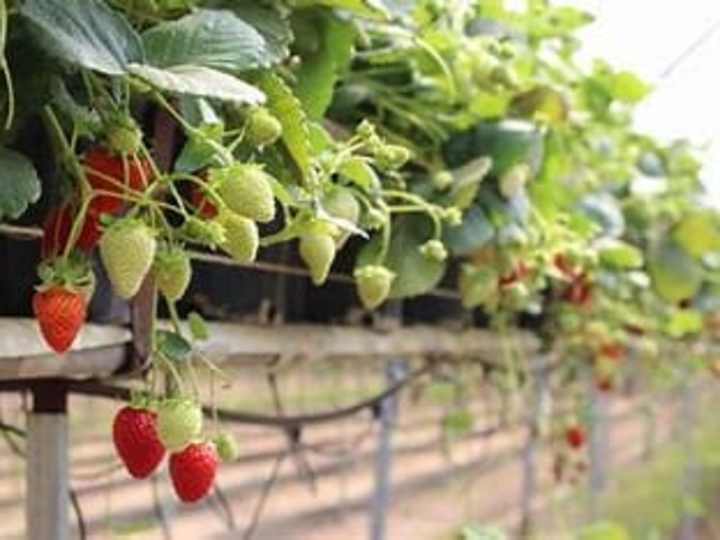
<point x="47" y="496"/>
<point x="690" y="474"/>
<point x="532" y="446"/>
<point x="599" y="449"/>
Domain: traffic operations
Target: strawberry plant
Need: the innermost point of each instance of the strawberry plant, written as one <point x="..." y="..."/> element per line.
<point x="454" y="142"/>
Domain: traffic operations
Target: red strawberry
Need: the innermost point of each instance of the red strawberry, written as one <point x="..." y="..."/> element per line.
<point x="579" y="292"/>
<point x="614" y="351"/>
<point x="563" y="264"/>
<point x="136" y="441"/>
<point x="575" y="436"/>
<point x="56" y="231"/>
<point x="519" y="273"/>
<point x="61" y="314"/>
<point x="106" y="172"/>
<point x="193" y="471"/>
<point x="604" y="384"/>
<point x="204" y="207"/>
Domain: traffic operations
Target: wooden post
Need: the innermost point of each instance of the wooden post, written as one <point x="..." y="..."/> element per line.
<point x="47" y="496"/>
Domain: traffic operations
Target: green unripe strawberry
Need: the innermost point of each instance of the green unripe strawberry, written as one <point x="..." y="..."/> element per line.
<point x="434" y="250"/>
<point x="227" y="447"/>
<point x="317" y="250"/>
<point x="246" y="190"/>
<point x="341" y="203"/>
<point x="173" y="272"/>
<point x="127" y="249"/>
<point x="263" y="128"/>
<point x="179" y="422"/>
<point x="241" y="236"/>
<point x="373" y="284"/>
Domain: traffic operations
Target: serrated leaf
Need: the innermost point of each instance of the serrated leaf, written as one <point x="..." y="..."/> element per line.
<point x="368" y="8"/>
<point x="216" y="39"/>
<point x="467" y="181"/>
<point x="286" y="108"/>
<point x="85" y="33"/>
<point x="20" y="185"/>
<point x="173" y="346"/>
<point x="319" y="72"/>
<point x="199" y="81"/>
<point x="270" y="24"/>
<point x="360" y="172"/>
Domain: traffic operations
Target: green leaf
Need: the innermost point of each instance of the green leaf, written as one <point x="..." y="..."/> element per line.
<point x="698" y="233"/>
<point x="85" y="33"/>
<point x="198" y="327"/>
<point x="20" y="185"/>
<point x="198" y="81"/>
<point x="676" y="275"/>
<point x="474" y="232"/>
<point x="604" y="530"/>
<point x="507" y="143"/>
<point x="173" y="346"/>
<point x="274" y="29"/>
<point x="360" y="172"/>
<point x="319" y="72"/>
<point x="629" y="88"/>
<point x="216" y="39"/>
<point x="369" y="8"/>
<point x="619" y="255"/>
<point x="286" y="108"/>
<point x="467" y="181"/>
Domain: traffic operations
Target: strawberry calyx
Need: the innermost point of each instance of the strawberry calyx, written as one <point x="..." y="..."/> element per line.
<point x="123" y="135"/>
<point x="72" y="274"/>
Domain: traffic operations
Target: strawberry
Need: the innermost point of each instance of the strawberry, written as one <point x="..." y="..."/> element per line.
<point x="127" y="249"/>
<point x="179" y="422"/>
<point x="136" y="441"/>
<point x="173" y="272"/>
<point x="575" y="436"/>
<point x="434" y="250"/>
<point x="241" y="236"/>
<point x="114" y="174"/>
<point x="519" y="273"/>
<point x="204" y="206"/>
<point x="193" y="471"/>
<point x="373" y="284"/>
<point x="612" y="351"/>
<point x="246" y="189"/>
<point x="340" y="203"/>
<point x="317" y="250"/>
<point x="61" y="313"/>
<point x="227" y="447"/>
<point x="579" y="292"/>
<point x="57" y="228"/>
<point x="604" y="384"/>
<point x="262" y="127"/>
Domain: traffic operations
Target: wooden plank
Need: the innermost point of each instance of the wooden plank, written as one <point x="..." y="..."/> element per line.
<point x="237" y="341"/>
<point x="98" y="352"/>
<point x="46" y="507"/>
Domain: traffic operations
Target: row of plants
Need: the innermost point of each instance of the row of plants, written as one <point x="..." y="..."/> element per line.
<point x="460" y="140"/>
